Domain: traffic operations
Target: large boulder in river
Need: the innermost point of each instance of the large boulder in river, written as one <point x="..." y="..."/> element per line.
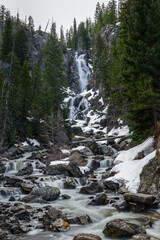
<point x="86" y="236"/>
<point x="110" y="185"/>
<point x="94" y="187"/>
<point x="47" y="193"/>
<point x="120" y="228"/>
<point x="69" y="183"/>
<point x="139" y="198"/>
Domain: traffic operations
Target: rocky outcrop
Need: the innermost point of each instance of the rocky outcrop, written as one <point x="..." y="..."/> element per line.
<point x="72" y="74"/>
<point x="149" y="178"/>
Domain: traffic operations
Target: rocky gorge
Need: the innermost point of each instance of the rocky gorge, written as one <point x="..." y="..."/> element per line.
<point x="92" y="188"/>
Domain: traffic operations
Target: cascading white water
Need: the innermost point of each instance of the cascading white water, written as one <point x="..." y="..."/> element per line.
<point x="79" y="104"/>
<point x="84" y="72"/>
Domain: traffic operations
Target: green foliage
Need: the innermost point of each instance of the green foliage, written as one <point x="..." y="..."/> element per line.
<point x="53" y="77"/>
<point x="21" y="48"/>
<point x="7" y="39"/>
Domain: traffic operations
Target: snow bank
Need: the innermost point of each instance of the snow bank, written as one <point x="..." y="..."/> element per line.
<point x="129" y="170"/>
<point x="34" y="142"/>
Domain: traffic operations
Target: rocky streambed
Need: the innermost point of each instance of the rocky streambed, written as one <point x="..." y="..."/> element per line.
<point x="65" y="194"/>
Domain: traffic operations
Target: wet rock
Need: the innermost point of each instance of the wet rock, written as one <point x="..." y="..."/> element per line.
<point x="32" y="199"/>
<point x="111" y="185"/>
<point x="23" y="215"/>
<point x="82" y="220"/>
<point x="59" y="169"/>
<point x="139" y="198"/>
<point x="86" y="236"/>
<point x="94" y="187"/>
<point x="25" y="171"/>
<point x="16" y="229"/>
<point x="100" y="199"/>
<point x="122" y="205"/>
<point x="74" y="170"/>
<point x="12" y="199"/>
<point x="2" y="167"/>
<point x="144" y="237"/>
<point x="47" y="193"/>
<point x="83" y="180"/>
<point x="94" y="164"/>
<point x="60" y="225"/>
<point x="94" y="147"/>
<point x="13" y="182"/>
<point x="65" y="196"/>
<point x="26" y="186"/>
<point x="54" y="213"/>
<point x="69" y="183"/>
<point x="78" y="159"/>
<point x="120" y="228"/>
<point x="122" y="190"/>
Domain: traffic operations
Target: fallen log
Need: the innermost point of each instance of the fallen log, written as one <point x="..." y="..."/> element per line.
<point x="97" y="140"/>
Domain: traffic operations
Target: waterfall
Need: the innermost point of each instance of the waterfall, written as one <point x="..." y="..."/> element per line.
<point x="84" y="72"/>
<point x="78" y="104"/>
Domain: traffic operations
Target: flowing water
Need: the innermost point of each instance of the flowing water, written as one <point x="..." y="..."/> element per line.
<point x="77" y="205"/>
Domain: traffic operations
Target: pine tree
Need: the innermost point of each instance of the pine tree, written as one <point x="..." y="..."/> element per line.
<point x="7" y="39"/>
<point x="74" y="37"/>
<point x="53" y="74"/>
<point x="21" y="49"/>
<point x="140" y="60"/>
<point x="62" y="41"/>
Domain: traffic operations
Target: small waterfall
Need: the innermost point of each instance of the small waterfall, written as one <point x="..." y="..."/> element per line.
<point x="84" y="72"/>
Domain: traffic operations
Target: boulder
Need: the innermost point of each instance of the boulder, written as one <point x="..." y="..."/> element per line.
<point x="144" y="237"/>
<point x="69" y="183"/>
<point x="82" y="220"/>
<point x="47" y="193"/>
<point x="59" y="169"/>
<point x="32" y="199"/>
<point x="94" y="147"/>
<point x="54" y="213"/>
<point x="94" y="164"/>
<point x="26" y="186"/>
<point x="23" y="215"/>
<point x="100" y="199"/>
<point x="74" y="170"/>
<point x="25" y="171"/>
<point x="110" y="185"/>
<point x="139" y="198"/>
<point x="86" y="236"/>
<point x="78" y="159"/>
<point x="94" y="187"/>
<point x="59" y="225"/>
<point x="120" y="228"/>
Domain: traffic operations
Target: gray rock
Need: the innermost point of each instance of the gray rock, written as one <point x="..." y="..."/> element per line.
<point x="69" y="183"/>
<point x="94" y="187"/>
<point x="82" y="220"/>
<point x="2" y="167"/>
<point x="86" y="236"/>
<point x="100" y="199"/>
<point x="111" y="185"/>
<point x="120" y="228"/>
<point x="139" y="198"/>
<point x="47" y="193"/>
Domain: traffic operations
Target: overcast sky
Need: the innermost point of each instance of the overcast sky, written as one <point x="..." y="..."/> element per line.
<point x="62" y="11"/>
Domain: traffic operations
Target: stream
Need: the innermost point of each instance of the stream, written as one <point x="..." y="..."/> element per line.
<point x="77" y="205"/>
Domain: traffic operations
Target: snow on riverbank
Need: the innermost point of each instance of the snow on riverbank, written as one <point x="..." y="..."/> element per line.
<point x="129" y="168"/>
